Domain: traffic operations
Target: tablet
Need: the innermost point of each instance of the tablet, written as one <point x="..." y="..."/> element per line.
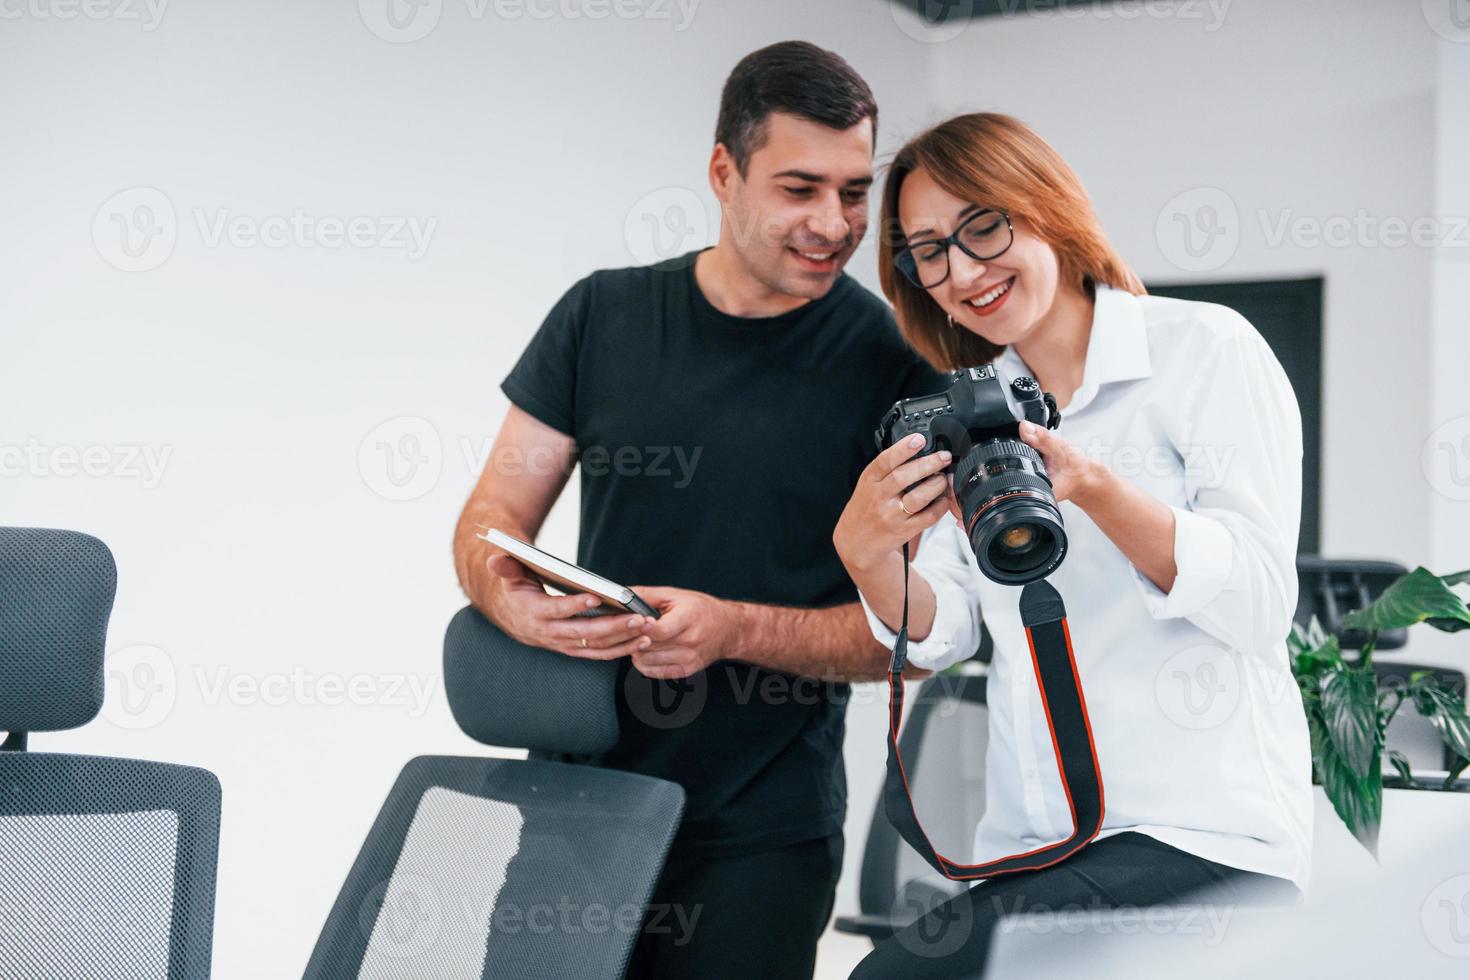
<point x="566" y="577"/>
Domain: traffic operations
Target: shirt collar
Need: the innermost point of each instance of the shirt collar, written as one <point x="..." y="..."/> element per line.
<point x="1117" y="348"/>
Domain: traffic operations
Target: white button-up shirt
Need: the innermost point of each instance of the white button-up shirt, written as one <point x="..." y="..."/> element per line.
<point x="1197" y="721"/>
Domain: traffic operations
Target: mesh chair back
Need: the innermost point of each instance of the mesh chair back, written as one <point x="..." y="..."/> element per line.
<point x="500" y="868"/>
<point x="107" y="866"/>
<point x="505" y="693"/>
<point x="56" y="591"/>
<point x="944" y="740"/>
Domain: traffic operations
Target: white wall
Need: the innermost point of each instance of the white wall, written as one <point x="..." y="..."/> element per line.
<point x="270" y="545"/>
<point x="261" y="371"/>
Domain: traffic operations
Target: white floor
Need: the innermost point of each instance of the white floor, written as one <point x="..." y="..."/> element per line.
<point x="838" y="953"/>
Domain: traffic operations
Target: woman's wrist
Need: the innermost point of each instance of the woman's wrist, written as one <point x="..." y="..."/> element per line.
<point x="1096" y="485"/>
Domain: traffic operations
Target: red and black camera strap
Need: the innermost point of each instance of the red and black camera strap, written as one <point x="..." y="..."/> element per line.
<point x="1045" y="619"/>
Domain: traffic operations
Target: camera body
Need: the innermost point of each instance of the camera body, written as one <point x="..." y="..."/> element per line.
<point x="972" y="409"/>
<point x="1004" y="492"/>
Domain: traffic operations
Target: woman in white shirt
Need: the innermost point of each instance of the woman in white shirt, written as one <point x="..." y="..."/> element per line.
<point x="1177" y="468"/>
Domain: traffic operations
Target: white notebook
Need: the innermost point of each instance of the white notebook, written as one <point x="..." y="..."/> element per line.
<point x="566" y="577"/>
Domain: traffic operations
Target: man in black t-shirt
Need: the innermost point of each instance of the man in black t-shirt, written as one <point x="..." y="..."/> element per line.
<point x="721" y="406"/>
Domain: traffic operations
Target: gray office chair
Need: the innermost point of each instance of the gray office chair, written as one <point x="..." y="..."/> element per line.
<point x="107" y="866"/>
<point x="944" y="738"/>
<point x="506" y="868"/>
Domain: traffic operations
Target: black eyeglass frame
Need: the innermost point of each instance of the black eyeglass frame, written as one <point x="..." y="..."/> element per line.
<point x="906" y="253"/>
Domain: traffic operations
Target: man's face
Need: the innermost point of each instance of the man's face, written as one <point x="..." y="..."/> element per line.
<point x="802" y="208"/>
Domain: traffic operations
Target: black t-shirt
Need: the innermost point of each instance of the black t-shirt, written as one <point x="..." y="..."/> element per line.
<point x="717" y="454"/>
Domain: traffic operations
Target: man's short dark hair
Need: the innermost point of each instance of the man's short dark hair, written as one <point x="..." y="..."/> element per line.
<point x="792" y="77"/>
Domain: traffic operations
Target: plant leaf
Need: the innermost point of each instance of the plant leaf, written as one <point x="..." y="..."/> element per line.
<point x="1457" y="578"/>
<point x="1419" y="596"/>
<point x="1446" y="624"/>
<point x="1445" y="710"/>
<point x="1401" y="763"/>
<point x="1315" y="659"/>
<point x="1316" y="635"/>
<point x="1296" y="640"/>
<point x="1358" y="802"/>
<point x="1454" y="773"/>
<point x="1350" y="718"/>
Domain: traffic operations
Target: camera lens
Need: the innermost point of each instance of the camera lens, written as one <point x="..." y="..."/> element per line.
<point x="1010" y="513"/>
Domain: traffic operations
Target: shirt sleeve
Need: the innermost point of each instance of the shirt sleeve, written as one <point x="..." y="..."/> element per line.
<point x="543" y="382"/>
<point x="1240" y="439"/>
<point x="944" y="562"/>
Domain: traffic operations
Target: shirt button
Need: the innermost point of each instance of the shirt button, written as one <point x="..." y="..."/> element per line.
<point x="1029" y="773"/>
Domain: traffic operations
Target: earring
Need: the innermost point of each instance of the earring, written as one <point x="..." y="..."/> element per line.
<point x="950" y="319"/>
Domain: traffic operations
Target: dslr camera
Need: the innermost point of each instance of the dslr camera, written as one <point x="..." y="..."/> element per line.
<point x="1001" y="484"/>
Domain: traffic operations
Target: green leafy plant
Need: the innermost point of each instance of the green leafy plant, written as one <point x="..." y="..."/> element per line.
<point x="1347" y="713"/>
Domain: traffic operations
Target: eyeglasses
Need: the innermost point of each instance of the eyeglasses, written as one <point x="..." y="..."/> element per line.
<point x="982" y="236"/>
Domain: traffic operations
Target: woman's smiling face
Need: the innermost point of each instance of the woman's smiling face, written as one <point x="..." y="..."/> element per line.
<point x="1001" y="299"/>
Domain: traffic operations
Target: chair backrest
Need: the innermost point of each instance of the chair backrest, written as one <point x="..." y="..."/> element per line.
<point x="944" y="739"/>
<point x="505" y="693"/>
<point x="107" y="866"/>
<point x="501" y="868"/>
<point x="481" y="868"/>
<point x="1330" y="588"/>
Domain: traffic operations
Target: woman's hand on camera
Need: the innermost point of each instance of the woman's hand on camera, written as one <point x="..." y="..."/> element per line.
<point x="897" y="498"/>
<point x="1074" y="475"/>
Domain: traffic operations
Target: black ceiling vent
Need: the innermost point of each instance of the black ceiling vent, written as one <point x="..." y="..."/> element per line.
<point x="949" y="11"/>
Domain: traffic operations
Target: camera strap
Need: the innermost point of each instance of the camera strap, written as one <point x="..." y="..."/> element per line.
<point x="1045" y="619"/>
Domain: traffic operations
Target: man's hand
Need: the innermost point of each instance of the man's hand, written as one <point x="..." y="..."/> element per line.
<point x="531" y="615"/>
<point x="693" y="631"/>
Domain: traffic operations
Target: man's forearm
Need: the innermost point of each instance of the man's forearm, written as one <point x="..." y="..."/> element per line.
<point x="829" y="644"/>
<point x="471" y="553"/>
